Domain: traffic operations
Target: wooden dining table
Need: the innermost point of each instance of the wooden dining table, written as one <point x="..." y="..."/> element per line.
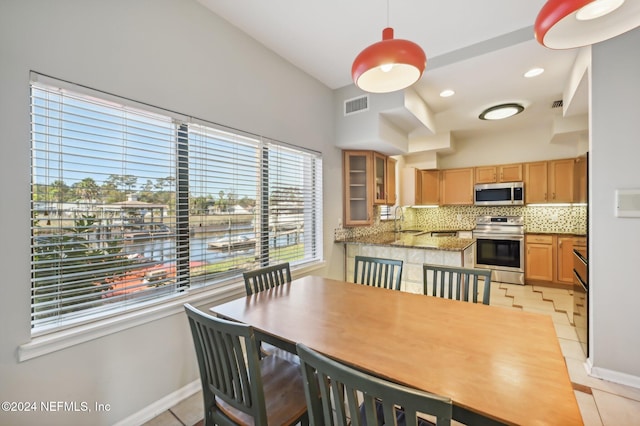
<point x="498" y="365"/>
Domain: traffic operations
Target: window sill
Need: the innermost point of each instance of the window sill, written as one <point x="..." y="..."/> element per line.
<point x="52" y="342"/>
<point x="45" y="344"/>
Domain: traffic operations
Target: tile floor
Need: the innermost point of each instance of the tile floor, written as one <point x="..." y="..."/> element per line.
<point x="601" y="402"/>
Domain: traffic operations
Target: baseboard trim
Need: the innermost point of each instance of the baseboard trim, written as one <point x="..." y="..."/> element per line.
<point x="612" y="375"/>
<point x="163" y="404"/>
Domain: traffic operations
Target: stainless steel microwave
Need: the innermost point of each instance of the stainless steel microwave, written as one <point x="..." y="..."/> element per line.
<point x="499" y="194"/>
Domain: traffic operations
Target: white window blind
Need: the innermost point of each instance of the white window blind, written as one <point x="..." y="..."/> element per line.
<point x="131" y="206"/>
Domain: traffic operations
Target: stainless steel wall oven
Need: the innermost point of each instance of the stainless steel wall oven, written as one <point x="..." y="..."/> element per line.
<point x="500" y="247"/>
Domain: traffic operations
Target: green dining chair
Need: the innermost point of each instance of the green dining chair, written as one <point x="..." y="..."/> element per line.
<point x="238" y="387"/>
<point x="263" y="279"/>
<point x="378" y="272"/>
<point x="333" y="392"/>
<point x="266" y="278"/>
<point x="456" y="282"/>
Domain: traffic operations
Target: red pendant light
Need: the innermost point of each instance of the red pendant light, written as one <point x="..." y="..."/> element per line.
<point x="388" y="65"/>
<point x="566" y="24"/>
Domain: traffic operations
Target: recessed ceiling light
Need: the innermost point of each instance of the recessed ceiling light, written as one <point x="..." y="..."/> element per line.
<point x="499" y="112"/>
<point x="534" y="72"/>
<point x="446" y="93"/>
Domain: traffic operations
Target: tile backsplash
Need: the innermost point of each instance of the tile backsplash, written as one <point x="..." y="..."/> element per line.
<point x="547" y="219"/>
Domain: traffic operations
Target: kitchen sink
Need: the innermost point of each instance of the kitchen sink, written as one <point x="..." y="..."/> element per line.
<point x="412" y="231"/>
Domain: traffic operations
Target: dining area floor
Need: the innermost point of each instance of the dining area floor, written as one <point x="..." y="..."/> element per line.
<point x="601" y="402"/>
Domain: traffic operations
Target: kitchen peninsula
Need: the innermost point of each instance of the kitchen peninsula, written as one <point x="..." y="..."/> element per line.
<point x="414" y="249"/>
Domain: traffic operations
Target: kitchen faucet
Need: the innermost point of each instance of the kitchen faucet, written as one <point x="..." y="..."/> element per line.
<point x="398" y="227"/>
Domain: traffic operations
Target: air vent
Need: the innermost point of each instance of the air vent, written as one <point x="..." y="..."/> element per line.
<point x="557" y="104"/>
<point x="355" y="105"/>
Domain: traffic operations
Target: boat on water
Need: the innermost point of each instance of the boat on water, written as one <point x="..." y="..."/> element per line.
<point x="146" y="230"/>
<point x="235" y="242"/>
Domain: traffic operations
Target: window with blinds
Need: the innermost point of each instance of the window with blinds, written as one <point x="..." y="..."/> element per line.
<point x="132" y="205"/>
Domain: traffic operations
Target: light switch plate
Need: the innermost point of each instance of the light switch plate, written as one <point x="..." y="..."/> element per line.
<point x="627" y="203"/>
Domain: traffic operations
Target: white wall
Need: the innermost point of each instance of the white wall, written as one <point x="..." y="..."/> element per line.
<point x="172" y="54"/>
<point x="505" y="148"/>
<point x="614" y="245"/>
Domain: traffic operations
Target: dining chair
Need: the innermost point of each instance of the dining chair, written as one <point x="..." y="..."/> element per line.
<point x="266" y="278"/>
<point x="378" y="272"/>
<point x="238" y="387"/>
<point x="456" y="282"/>
<point x="333" y="392"/>
<point x="263" y="279"/>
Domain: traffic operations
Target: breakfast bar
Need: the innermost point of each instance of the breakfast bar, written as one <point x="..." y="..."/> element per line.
<point x="414" y="249"/>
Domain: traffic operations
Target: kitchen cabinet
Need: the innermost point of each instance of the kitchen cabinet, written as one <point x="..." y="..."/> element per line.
<point x="380" y="178"/>
<point x="539" y="257"/>
<point x="430" y="192"/>
<point x="501" y="173"/>
<point x="419" y="187"/>
<point x="561" y="181"/>
<point x="369" y="178"/>
<point x="564" y="269"/>
<point x="549" y="181"/>
<point x="392" y="197"/>
<point x="456" y="186"/>
<point x="549" y="258"/>
<point x="580" y="180"/>
<point x="535" y="182"/>
<point x="357" y="168"/>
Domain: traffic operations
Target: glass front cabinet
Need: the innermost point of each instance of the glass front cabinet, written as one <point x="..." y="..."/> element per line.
<point x="369" y="178"/>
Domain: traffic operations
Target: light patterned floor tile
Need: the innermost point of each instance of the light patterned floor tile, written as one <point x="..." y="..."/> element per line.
<point x="164" y="419"/>
<point x="551" y="290"/>
<point x="616" y="410"/>
<point x="572" y="349"/>
<point x="588" y="409"/>
<point x="566" y="332"/>
<point x="191" y="410"/>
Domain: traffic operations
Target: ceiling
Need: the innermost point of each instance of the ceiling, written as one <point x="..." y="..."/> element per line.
<point x="480" y="49"/>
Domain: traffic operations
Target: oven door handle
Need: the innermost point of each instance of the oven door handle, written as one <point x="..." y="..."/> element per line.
<point x="498" y="237"/>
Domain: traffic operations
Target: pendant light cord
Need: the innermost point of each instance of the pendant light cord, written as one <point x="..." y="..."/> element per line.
<point x="387" y="13"/>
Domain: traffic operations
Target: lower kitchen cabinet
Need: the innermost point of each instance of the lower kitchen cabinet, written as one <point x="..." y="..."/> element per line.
<point x="549" y="259"/>
<point x="565" y="260"/>
<point x="539" y="251"/>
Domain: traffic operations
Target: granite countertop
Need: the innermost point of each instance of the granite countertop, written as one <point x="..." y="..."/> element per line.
<point x="407" y="240"/>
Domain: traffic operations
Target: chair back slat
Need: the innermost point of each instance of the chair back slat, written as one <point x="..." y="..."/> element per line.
<point x="378" y="272"/>
<point x="457" y="283"/>
<point x="266" y="278"/>
<point x="332" y="390"/>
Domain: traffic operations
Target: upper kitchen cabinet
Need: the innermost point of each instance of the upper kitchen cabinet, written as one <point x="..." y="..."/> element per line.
<point x="430" y="192"/>
<point x="369" y="178"/>
<point x="380" y="173"/>
<point x="456" y="186"/>
<point x="536" y="182"/>
<point x="502" y="173"/>
<point x="357" y="168"/>
<point x="419" y="187"/>
<point x="549" y="181"/>
<point x="580" y="180"/>
<point x="384" y="184"/>
<point x="561" y="181"/>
